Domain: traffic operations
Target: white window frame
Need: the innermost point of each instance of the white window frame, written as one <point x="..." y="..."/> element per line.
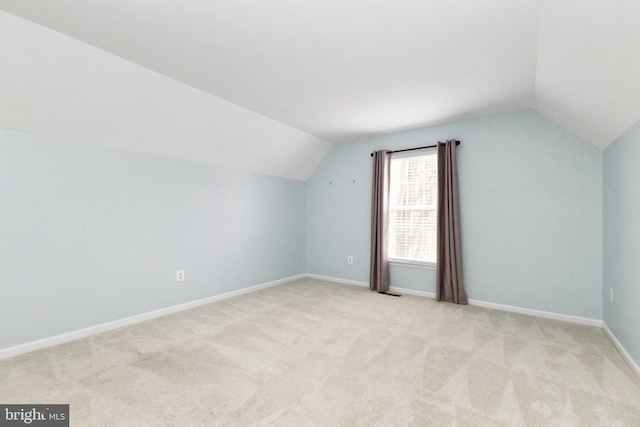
<point x="413" y="262"/>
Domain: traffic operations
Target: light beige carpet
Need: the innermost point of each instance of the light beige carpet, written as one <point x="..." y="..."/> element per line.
<point x="312" y="353"/>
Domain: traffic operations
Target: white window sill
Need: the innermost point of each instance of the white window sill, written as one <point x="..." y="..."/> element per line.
<point x="412" y="264"/>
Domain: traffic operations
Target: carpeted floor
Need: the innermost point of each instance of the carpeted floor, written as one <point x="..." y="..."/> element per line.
<point x="312" y="353"/>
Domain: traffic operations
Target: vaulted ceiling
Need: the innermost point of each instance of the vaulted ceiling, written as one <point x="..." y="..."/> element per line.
<point x="283" y="79"/>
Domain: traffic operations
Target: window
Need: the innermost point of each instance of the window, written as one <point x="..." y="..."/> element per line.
<point x="413" y="211"/>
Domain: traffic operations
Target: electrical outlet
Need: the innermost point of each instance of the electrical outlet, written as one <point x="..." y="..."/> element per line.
<point x="610" y="294"/>
<point x="180" y="276"/>
<point x="349" y="260"/>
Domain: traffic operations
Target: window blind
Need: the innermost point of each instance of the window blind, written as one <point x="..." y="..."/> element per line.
<point x="413" y="202"/>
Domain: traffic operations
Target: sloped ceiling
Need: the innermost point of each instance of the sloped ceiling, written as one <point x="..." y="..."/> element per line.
<point x="321" y="70"/>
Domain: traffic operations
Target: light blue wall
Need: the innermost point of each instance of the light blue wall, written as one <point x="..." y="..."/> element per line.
<point x="531" y="212"/>
<point x="90" y="235"/>
<point x="622" y="239"/>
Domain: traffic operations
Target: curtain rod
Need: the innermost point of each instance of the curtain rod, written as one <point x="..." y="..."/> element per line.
<point x="417" y="148"/>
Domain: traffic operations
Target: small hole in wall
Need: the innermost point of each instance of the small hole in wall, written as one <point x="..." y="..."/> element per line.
<point x="329" y="182"/>
<point x="354" y="181"/>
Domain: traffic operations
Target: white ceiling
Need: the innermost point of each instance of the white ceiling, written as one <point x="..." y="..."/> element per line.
<point x="53" y="85"/>
<point x="340" y="70"/>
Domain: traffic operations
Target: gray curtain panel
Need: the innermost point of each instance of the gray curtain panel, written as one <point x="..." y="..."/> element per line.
<point x="449" y="270"/>
<point x="379" y="277"/>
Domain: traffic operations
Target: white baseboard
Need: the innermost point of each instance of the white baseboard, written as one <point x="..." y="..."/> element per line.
<point x="538" y="313"/>
<point x="407" y="291"/>
<point x="82" y="333"/>
<point x="478" y="303"/>
<point x="103" y="327"/>
<point x="366" y="284"/>
<point x="337" y="280"/>
<point x="623" y="351"/>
